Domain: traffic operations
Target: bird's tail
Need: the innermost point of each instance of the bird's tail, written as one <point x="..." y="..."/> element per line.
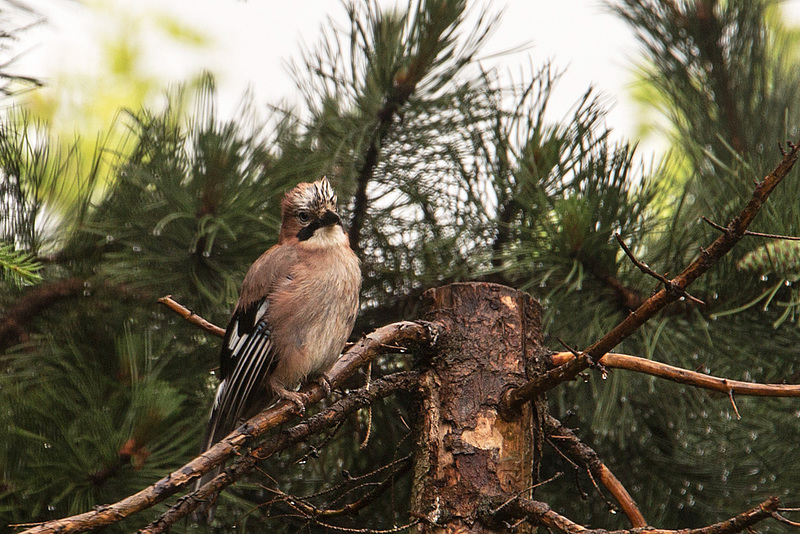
<point x="215" y="431"/>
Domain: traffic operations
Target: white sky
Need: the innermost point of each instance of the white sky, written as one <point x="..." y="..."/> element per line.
<point x="251" y="43"/>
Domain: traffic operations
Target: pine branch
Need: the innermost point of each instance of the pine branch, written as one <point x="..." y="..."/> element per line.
<point x="402" y="88"/>
<point x="381" y="341"/>
<point x="734" y="232"/>
<point x="340" y="410"/>
<point x="41" y="298"/>
<point x="588" y="458"/>
<point x="541" y="514"/>
<point x="33" y="303"/>
<point x="192" y="317"/>
<point x="710" y="40"/>
<point x="683" y="376"/>
<point x="19" y="266"/>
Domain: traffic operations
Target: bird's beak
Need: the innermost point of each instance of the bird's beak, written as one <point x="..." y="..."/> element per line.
<point x="330" y="218"/>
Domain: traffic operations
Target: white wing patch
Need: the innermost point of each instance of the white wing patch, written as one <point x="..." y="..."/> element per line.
<point x="252" y="355"/>
<point x="261" y="311"/>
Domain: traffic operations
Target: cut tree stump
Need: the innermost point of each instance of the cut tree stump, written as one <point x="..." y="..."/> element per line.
<point x="468" y="453"/>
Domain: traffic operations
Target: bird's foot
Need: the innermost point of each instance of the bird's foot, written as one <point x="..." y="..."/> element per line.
<point x="325" y="384"/>
<point x="295" y="398"/>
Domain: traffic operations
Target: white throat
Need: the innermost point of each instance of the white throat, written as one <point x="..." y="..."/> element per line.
<point x="327" y="236"/>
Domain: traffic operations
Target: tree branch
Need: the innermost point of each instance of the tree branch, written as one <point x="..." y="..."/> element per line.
<point x="588" y="458"/>
<point x="710" y="40"/>
<point x="540" y="513"/>
<point x="192" y="317"/>
<point x="707" y="258"/>
<point x="351" y="508"/>
<point x="354" y="400"/>
<point x="753" y="234"/>
<point x="642" y="266"/>
<point x="406" y="334"/>
<point x="404" y="83"/>
<point x="683" y="376"/>
<point x="31" y="304"/>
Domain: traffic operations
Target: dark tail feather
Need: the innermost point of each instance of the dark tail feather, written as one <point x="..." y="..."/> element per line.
<point x="214" y="432"/>
<point x="220" y="425"/>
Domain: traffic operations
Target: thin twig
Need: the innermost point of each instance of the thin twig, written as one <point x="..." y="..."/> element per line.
<point x="519" y="493"/>
<point x="785" y="520"/>
<point x="540" y="513"/>
<point x="350" y="478"/>
<point x="609" y="504"/>
<point x="754" y="234"/>
<point x="683" y="376"/>
<point x="733" y="403"/>
<point x="369" y="530"/>
<point x="350" y="508"/>
<point x="642" y="266"/>
<point x="576" y="353"/>
<point x="707" y="258"/>
<point x="588" y="458"/>
<point x="192" y="317"/>
<point x="365" y="441"/>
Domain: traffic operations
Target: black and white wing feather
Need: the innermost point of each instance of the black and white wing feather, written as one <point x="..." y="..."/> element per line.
<point x="248" y="355"/>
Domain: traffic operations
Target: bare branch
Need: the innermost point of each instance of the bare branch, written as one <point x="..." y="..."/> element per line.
<point x="355" y="400"/>
<point x="692" y="378"/>
<point x="785" y="520"/>
<point x="583" y="455"/>
<point x="700" y="265"/>
<point x="192" y="317"/>
<point x="404" y="333"/>
<point x="755" y="234"/>
<point x="642" y="266"/>
<point x="351" y="508"/>
<point x="540" y="513"/>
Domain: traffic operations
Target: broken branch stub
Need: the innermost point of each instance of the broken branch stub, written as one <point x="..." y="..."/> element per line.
<point x="468" y="451"/>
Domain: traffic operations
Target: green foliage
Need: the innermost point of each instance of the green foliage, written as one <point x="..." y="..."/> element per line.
<point x="18" y="267"/>
<point x="779" y="257"/>
<point x="187" y="205"/>
<point x="103" y="418"/>
<point x="448" y="174"/>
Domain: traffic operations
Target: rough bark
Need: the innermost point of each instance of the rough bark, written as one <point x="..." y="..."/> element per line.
<point x="469" y="453"/>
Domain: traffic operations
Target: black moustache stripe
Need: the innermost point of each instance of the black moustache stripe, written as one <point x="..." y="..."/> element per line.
<point x="306" y="232"/>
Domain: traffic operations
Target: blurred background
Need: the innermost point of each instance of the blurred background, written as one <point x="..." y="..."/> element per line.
<point x="144" y="148"/>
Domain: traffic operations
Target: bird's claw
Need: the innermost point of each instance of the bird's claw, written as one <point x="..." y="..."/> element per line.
<point x="296" y="399"/>
<point x="325" y="384"/>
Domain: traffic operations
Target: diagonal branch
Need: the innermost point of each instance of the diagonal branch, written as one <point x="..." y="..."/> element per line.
<point x="588" y="458"/>
<point x="354" y="400"/>
<point x="683" y="376"/>
<point x="31" y="304"/>
<point x="646" y="269"/>
<point x="753" y="234"/>
<point x="406" y="334"/>
<point x="192" y="317"/>
<point x="540" y="513"/>
<point x="707" y="258"/>
<point x="422" y="57"/>
<point x="41" y="298"/>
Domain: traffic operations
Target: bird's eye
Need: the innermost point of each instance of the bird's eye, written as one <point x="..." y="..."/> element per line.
<point x="303" y="217"/>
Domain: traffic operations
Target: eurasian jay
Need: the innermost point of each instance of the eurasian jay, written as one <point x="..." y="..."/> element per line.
<point x="296" y="309"/>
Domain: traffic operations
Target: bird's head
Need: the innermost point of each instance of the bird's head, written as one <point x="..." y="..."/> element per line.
<point x="309" y="215"/>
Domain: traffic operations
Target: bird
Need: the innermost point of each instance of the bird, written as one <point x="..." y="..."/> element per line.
<point x="296" y="309"/>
